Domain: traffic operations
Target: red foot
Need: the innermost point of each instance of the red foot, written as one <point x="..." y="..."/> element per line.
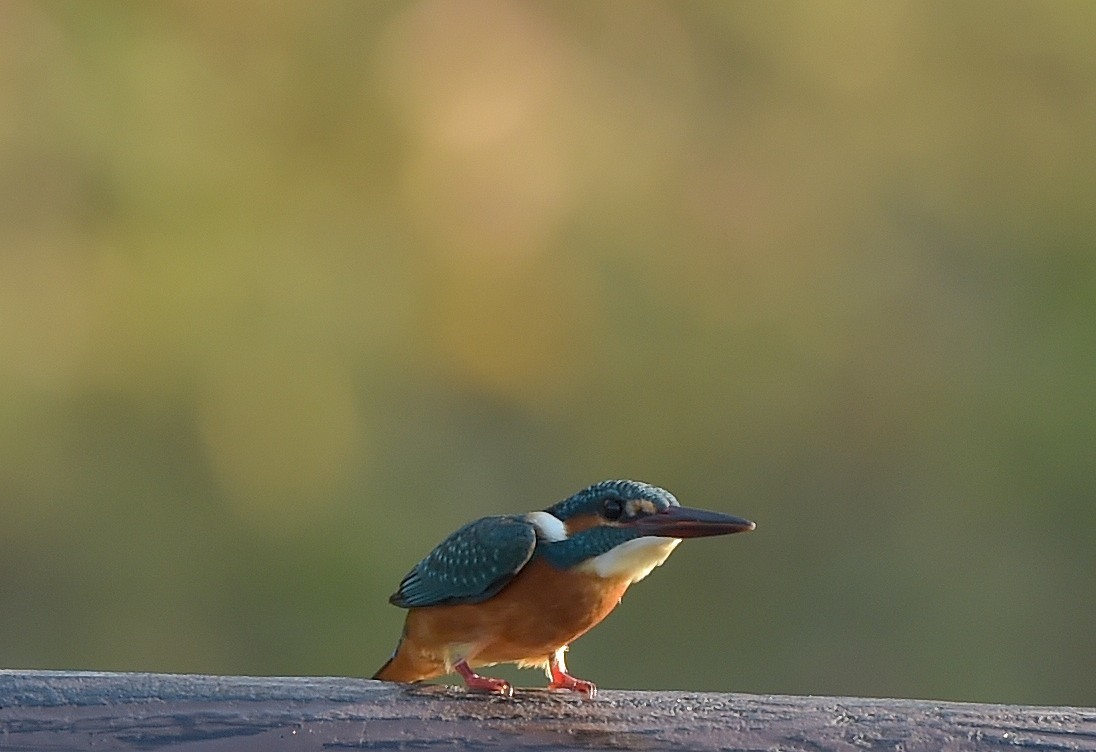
<point x="477" y="683"/>
<point x="562" y="680"/>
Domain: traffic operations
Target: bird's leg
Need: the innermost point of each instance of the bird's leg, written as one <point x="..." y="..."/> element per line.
<point x="478" y="683"/>
<point x="557" y="669"/>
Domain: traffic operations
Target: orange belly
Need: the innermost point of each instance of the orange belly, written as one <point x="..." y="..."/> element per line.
<point x="540" y="611"/>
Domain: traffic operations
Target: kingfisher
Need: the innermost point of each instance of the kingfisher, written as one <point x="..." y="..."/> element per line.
<point x="521" y="588"/>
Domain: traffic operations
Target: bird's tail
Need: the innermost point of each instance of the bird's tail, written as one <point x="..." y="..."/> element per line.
<point x="407" y="665"/>
<point x="388" y="672"/>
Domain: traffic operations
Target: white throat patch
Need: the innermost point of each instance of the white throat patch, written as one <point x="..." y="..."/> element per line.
<point x="632" y="560"/>
<point x="549" y="527"/>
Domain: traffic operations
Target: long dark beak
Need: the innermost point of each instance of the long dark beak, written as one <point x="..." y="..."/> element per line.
<point x="683" y="522"/>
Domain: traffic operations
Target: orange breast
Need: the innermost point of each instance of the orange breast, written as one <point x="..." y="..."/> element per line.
<point x="540" y="611"/>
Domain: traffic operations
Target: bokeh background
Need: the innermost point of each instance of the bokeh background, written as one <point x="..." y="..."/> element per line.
<point x="289" y="291"/>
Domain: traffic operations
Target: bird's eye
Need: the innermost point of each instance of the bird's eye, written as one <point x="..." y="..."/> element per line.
<point x="612" y="509"/>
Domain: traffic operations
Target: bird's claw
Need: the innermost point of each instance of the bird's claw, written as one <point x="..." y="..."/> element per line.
<point x="491" y="686"/>
<point x="570" y="683"/>
<point x="486" y="684"/>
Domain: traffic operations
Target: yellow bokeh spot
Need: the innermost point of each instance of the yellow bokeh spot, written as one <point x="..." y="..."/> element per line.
<point x="282" y="431"/>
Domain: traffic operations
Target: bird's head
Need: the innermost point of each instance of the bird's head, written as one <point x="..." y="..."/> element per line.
<point x="642" y="508"/>
<point x="625" y="527"/>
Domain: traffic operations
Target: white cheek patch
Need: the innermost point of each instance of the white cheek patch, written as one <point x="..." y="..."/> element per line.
<point x="549" y="527"/>
<point x="632" y="560"/>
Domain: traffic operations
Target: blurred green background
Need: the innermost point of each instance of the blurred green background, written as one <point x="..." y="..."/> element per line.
<point x="289" y="291"/>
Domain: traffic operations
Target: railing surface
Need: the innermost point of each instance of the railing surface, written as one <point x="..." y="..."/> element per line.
<point x="61" y="710"/>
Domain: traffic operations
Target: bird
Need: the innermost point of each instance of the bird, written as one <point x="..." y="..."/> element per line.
<point x="520" y="588"/>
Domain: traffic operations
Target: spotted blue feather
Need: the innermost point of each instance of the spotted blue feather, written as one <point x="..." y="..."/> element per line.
<point x="471" y="565"/>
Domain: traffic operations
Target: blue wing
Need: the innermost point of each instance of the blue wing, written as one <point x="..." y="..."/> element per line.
<point x="471" y="565"/>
